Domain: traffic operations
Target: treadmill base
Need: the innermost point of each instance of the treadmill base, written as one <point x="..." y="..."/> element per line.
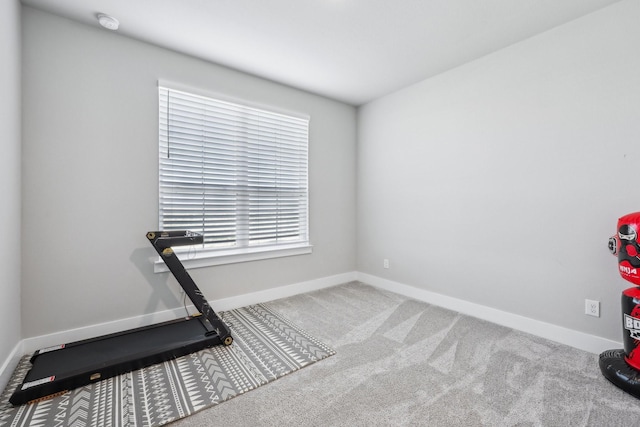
<point x="58" y="369"/>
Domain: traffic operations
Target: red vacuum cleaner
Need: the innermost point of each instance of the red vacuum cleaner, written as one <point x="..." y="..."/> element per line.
<point x="622" y="366"/>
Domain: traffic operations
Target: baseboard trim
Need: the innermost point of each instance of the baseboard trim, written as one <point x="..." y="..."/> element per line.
<point x="9" y="365"/>
<point x="283" y="291"/>
<point x="573" y="338"/>
<point x="580" y="340"/>
<point x="30" y="345"/>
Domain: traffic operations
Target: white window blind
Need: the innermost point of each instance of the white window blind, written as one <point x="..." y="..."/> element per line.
<point x="235" y="173"/>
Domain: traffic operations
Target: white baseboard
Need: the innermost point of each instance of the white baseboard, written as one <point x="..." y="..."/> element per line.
<point x="556" y="333"/>
<point x="10" y="364"/>
<point x="283" y="291"/>
<point x="579" y="340"/>
<point x="32" y="344"/>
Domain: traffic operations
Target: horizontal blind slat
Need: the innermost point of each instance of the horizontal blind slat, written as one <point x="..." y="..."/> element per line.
<point x="235" y="173"/>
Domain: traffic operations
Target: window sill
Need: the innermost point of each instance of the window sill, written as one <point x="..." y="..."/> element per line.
<point x="209" y="258"/>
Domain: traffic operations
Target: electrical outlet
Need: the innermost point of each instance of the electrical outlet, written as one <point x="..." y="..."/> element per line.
<point x="385" y="263"/>
<point x="592" y="308"/>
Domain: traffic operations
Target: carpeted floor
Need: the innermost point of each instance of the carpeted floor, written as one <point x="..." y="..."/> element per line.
<point x="266" y="347"/>
<point x="401" y="362"/>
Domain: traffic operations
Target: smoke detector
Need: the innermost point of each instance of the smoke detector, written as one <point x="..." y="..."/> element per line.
<point x="108" y="22"/>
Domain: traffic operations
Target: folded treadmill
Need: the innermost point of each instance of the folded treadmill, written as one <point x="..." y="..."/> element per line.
<point x="58" y="369"/>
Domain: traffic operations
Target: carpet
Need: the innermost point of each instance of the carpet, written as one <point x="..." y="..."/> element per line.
<point x="402" y="362"/>
<point x="266" y="347"/>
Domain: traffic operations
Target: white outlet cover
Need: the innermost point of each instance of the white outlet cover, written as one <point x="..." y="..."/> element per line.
<point x="592" y="308"/>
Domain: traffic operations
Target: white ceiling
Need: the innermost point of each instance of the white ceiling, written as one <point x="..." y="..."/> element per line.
<point x="350" y="50"/>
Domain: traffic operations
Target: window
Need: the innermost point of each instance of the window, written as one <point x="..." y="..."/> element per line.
<point x="235" y="173"/>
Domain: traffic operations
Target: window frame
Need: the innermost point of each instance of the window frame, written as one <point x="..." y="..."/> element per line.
<point x="203" y="256"/>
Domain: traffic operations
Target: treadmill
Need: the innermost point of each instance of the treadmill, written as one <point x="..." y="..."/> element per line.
<point x="58" y="369"/>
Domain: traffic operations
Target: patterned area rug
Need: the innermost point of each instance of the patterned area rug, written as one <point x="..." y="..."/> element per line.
<point x="266" y="347"/>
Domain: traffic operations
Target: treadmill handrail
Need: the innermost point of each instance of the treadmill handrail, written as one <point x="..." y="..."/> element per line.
<point x="162" y="241"/>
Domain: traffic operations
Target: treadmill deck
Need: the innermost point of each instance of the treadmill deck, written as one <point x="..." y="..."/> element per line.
<point x="61" y="368"/>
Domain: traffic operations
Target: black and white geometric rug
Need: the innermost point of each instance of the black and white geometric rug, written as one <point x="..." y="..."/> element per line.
<point x="265" y="347"/>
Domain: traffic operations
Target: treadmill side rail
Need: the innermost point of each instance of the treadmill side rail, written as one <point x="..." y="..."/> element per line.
<point x="162" y="241"/>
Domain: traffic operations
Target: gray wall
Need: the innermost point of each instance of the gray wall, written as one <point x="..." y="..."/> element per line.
<point x="91" y="179"/>
<point x="500" y="182"/>
<point x="10" y="177"/>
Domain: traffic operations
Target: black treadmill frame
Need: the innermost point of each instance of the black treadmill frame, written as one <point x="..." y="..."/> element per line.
<point x="49" y="377"/>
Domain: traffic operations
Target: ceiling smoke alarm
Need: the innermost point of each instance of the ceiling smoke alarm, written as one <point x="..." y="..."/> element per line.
<point x="108" y="22"/>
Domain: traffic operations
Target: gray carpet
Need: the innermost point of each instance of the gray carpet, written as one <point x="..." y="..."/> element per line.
<point x="266" y="347"/>
<point x="401" y="362"/>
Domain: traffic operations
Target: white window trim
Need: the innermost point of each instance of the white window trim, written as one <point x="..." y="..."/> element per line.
<point x="223" y="97"/>
<point x="204" y="257"/>
<point x="199" y="258"/>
